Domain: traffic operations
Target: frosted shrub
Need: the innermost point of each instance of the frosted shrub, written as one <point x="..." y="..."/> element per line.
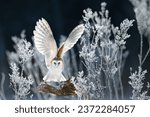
<point x="29" y="63"/>
<point x="21" y="85"/>
<point x="102" y="55"/>
<point x="137" y="84"/>
<point x="142" y="13"/>
<point x="23" y="48"/>
<point x="81" y="85"/>
<point x="24" y="52"/>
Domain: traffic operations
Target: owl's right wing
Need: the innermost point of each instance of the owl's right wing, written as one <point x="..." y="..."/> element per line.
<point x="44" y="40"/>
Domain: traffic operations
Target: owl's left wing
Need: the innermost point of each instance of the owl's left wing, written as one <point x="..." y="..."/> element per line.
<point x="72" y="39"/>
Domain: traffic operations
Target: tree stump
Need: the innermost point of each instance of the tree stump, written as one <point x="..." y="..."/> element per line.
<point x="65" y="88"/>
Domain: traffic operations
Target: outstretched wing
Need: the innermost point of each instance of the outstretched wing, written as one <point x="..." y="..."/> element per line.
<point x="71" y="40"/>
<point x="44" y="40"/>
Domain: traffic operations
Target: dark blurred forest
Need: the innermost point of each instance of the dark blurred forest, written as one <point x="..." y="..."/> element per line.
<point x="63" y="16"/>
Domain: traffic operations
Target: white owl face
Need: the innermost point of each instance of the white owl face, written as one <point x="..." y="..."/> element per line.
<point x="57" y="63"/>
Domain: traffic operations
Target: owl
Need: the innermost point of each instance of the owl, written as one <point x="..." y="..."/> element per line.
<point x="45" y="43"/>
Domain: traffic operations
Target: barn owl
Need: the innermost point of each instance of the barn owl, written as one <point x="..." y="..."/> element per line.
<point x="46" y="45"/>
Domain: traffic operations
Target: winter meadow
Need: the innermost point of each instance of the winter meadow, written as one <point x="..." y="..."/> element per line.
<point x="94" y="66"/>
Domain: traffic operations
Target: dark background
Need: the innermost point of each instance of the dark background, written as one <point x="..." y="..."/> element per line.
<point x="63" y="16"/>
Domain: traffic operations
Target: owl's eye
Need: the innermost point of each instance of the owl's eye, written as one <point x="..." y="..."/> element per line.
<point x="58" y="63"/>
<point x="54" y="63"/>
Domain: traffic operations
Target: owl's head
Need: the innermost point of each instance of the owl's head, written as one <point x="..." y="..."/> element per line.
<point x="57" y="63"/>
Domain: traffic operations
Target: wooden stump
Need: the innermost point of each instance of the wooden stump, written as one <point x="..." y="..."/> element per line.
<point x="67" y="89"/>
